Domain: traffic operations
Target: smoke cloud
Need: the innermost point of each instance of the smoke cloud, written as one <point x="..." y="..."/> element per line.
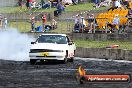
<point x="14" y="45"/>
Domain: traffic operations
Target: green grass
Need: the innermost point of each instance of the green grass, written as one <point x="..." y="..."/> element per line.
<point x="12" y="9"/>
<point x="82" y="7"/>
<point x="20" y="26"/>
<point x="103" y="44"/>
<point x="79" y="7"/>
<point x="25" y="26"/>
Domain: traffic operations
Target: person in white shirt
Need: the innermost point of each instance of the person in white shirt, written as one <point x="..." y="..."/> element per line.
<point x="104" y="3"/>
<point x="116" y="22"/>
<point x="115" y="5"/>
<point x="77" y="19"/>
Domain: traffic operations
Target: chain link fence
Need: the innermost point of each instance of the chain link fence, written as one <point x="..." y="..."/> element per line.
<point x="22" y="22"/>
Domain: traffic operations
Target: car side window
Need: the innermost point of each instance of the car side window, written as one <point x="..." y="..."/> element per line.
<point x="68" y="39"/>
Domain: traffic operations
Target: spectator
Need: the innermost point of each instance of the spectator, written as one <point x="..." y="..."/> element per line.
<point x="130" y="12"/>
<point x="53" y="24"/>
<point x="130" y="16"/>
<point x="75" y="2"/>
<point x="90" y="18"/>
<point x="33" y="24"/>
<point x="96" y="1"/>
<point x="5" y="22"/>
<point x="115" y="4"/>
<point x="29" y="4"/>
<point x="77" y="19"/>
<point x="125" y="3"/>
<point x="46" y="5"/>
<point x="60" y="7"/>
<point x="43" y="21"/>
<point x="20" y="2"/>
<point x="1" y="21"/>
<point x="67" y="2"/>
<point x="115" y="23"/>
<point x="77" y="25"/>
<point x="104" y="3"/>
<point x="42" y="2"/>
<point x="59" y="10"/>
<point x="33" y="3"/>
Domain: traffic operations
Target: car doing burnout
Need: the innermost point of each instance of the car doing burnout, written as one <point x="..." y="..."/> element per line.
<point x="52" y="47"/>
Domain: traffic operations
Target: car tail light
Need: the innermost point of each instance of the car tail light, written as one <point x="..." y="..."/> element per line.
<point x="66" y="53"/>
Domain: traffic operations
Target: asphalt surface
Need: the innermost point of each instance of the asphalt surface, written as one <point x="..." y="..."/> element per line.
<point x="20" y="74"/>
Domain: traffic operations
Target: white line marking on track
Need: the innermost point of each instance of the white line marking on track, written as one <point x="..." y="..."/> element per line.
<point x="95" y="59"/>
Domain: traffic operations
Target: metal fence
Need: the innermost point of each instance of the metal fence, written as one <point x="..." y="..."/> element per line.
<point x="66" y="24"/>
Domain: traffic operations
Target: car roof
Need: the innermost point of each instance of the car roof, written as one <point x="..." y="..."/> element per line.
<point x="55" y="34"/>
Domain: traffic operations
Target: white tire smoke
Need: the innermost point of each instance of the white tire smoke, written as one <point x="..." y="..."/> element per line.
<point x="14" y="45"/>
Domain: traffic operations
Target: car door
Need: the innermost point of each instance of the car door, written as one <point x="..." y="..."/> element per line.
<point x="71" y="47"/>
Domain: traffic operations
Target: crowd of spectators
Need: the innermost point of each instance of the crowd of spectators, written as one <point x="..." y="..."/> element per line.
<point x="46" y="26"/>
<point x="87" y="23"/>
<point x="118" y="16"/>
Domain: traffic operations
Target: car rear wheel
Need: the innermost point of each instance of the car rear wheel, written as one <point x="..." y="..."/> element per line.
<point x="32" y="61"/>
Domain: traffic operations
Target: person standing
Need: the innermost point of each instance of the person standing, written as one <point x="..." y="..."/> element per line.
<point x="53" y="24"/>
<point x="43" y="22"/>
<point x="91" y="22"/>
<point x="29" y="4"/>
<point x="33" y="24"/>
<point x="5" y="22"/>
<point x="1" y="21"/>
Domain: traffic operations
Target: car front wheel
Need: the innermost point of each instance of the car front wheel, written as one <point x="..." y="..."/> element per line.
<point x="71" y="59"/>
<point x="32" y="61"/>
<point x="65" y="61"/>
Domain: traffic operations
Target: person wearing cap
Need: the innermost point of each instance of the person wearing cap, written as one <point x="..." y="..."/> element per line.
<point x="115" y="23"/>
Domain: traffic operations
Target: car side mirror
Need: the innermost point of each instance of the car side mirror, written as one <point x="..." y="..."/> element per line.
<point x="33" y="42"/>
<point x="70" y="43"/>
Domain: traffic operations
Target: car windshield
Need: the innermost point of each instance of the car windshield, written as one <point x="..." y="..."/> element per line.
<point x="59" y="39"/>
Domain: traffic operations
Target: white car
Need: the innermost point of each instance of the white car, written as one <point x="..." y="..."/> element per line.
<point x="52" y="47"/>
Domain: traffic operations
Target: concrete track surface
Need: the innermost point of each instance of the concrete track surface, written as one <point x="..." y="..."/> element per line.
<point x="20" y="74"/>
